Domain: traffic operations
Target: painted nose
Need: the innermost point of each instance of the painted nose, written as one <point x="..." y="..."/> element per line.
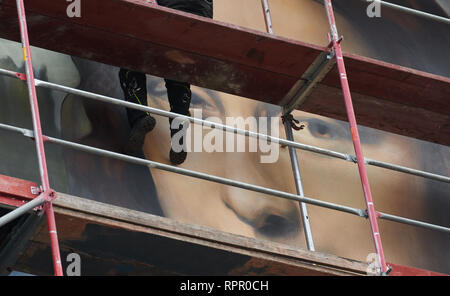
<point x="269" y="216"/>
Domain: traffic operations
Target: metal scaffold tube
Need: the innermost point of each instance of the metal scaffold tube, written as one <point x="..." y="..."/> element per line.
<point x="5" y="219"/>
<point x="408" y="10"/>
<point x="283" y="142"/>
<point x="292" y="152"/>
<point x="299" y="187"/>
<point x="32" y="96"/>
<point x="38" y="137"/>
<point x="414" y="12"/>
<point x="355" y="136"/>
<point x="194" y="120"/>
<point x="267" y="18"/>
<point x="413" y="222"/>
<point x="224" y="181"/>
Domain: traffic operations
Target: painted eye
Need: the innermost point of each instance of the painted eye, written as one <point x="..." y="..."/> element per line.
<point x="323" y="130"/>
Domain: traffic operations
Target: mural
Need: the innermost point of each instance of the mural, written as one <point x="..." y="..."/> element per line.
<point x="396" y="38"/>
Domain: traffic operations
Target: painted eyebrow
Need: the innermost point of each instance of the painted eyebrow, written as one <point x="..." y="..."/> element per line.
<point x="271" y="110"/>
<point x="217" y="101"/>
<point x="210" y="94"/>
<point x="341" y="131"/>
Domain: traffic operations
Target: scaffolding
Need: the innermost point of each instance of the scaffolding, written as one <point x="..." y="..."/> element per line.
<point x="300" y="91"/>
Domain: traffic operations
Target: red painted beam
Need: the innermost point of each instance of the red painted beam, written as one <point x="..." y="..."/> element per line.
<point x="17" y="187"/>
<point x="15" y="192"/>
<point x="172" y="44"/>
<point x="399" y="270"/>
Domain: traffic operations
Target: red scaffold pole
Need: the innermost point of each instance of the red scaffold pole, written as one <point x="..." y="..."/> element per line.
<point x="355" y="136"/>
<point x="39" y="139"/>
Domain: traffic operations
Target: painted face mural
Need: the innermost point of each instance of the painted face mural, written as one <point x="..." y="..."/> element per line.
<point x="395" y="38"/>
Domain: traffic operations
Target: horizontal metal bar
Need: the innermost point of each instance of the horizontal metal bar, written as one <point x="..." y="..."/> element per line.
<point x="220" y="180"/>
<point x="8" y="73"/>
<point x="301" y="90"/>
<point x="211" y="178"/>
<point x="248" y="133"/>
<point x="413" y="222"/>
<point x="194" y="120"/>
<point x="177" y="170"/>
<point x="21" y="210"/>
<point x="409" y="10"/>
<point x="407" y="170"/>
<point x="415" y="12"/>
<point x="230" y="129"/>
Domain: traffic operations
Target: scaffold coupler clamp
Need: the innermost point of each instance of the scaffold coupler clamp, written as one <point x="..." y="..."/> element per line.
<point x="387" y="272"/>
<point x="294" y="123"/>
<point x="330" y="40"/>
<point x="30" y="134"/>
<point x="48" y="197"/>
<point x="331" y="46"/>
<point x="366" y="212"/>
<point x="21" y="76"/>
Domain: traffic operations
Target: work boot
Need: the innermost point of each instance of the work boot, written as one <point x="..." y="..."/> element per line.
<point x="180" y="95"/>
<point x="137" y="136"/>
<point x="179" y="157"/>
<point x="134" y="87"/>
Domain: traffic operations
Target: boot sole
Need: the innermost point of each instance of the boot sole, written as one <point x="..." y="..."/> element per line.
<point x="177" y="158"/>
<point x="136" y="140"/>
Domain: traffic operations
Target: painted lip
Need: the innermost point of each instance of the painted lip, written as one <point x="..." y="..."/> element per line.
<point x="270" y="223"/>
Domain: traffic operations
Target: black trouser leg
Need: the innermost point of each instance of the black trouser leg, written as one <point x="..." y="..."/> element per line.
<point x="179" y="94"/>
<point x="134" y="86"/>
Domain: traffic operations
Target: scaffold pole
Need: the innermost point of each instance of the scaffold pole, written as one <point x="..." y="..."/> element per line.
<point x="336" y="41"/>
<point x="38" y="138"/>
<point x="292" y="151"/>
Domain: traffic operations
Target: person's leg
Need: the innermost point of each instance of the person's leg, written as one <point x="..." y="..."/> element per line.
<point x="198" y="7"/>
<point x="179" y="94"/>
<point x="134" y="86"/>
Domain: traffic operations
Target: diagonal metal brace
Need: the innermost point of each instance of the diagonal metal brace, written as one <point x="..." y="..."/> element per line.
<point x="45" y="197"/>
<point x="309" y="80"/>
